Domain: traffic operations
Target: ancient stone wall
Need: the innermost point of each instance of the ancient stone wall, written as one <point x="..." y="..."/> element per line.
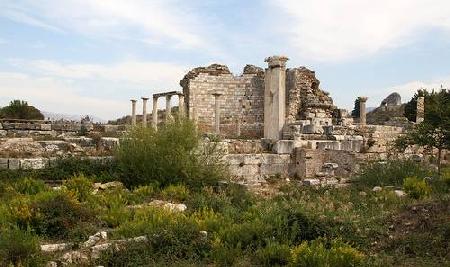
<point x="241" y="101"/>
<point x="305" y="100"/>
<point x="254" y="168"/>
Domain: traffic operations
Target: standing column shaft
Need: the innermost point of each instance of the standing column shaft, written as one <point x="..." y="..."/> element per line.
<point x="362" y="110"/>
<point x="181" y="109"/>
<point x="420" y="113"/>
<point x="155" y="112"/>
<point x="217" y="113"/>
<point x="133" y="112"/>
<point x="144" y="111"/>
<point x="275" y="97"/>
<point x="168" y="107"/>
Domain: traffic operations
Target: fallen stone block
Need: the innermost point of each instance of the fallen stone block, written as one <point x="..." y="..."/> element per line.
<point x="311" y="182"/>
<point x="400" y="193"/>
<point x="377" y="189"/>
<point x="56" y="247"/>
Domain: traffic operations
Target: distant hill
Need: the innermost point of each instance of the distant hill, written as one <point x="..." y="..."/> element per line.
<point x="71" y="117"/>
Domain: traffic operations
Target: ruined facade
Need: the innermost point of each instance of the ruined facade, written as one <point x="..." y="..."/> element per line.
<point x="242" y="98"/>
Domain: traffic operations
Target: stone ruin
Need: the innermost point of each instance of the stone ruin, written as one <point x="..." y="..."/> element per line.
<point x="276" y="121"/>
<point x="279" y="121"/>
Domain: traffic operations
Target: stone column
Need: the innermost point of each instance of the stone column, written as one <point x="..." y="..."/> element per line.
<point x="420" y="113"/>
<point x="217" y="112"/>
<point x="275" y="97"/>
<point x="144" y="111"/>
<point x="133" y="112"/>
<point x="362" y="110"/>
<point x="168" y="108"/>
<point x="181" y="104"/>
<point x="155" y="112"/>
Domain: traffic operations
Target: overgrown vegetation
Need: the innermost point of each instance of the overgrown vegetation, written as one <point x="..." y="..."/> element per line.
<point x="224" y="224"/>
<point x="170" y="155"/>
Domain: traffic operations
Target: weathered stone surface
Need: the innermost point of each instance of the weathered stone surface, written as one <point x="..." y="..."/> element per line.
<point x="56" y="247"/>
<point x="14" y="164"/>
<point x="283" y="147"/>
<point x="109" y="143"/>
<point x="94" y="239"/>
<point x="400" y="193"/>
<point x="3" y="164"/>
<point x="170" y="206"/>
<point x="34" y="164"/>
<point x="377" y="189"/>
<point x="393" y="99"/>
<point x="311" y="182"/>
<point x="75" y="257"/>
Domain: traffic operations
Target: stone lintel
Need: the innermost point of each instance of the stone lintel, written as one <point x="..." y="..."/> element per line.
<point x="171" y="93"/>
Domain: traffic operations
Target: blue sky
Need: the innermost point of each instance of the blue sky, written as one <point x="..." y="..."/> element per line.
<point x="92" y="56"/>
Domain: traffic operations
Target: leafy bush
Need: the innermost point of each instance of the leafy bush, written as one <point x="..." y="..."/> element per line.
<point x="29" y="186"/>
<point x="175" y="192"/>
<point x="56" y="214"/>
<point x="445" y="176"/>
<point x="19" y="248"/>
<point x="80" y="186"/>
<point x="392" y="172"/>
<point x="274" y="254"/>
<point x="416" y="188"/>
<point x="171" y="155"/>
<point x="319" y="253"/>
<point x="19" y="109"/>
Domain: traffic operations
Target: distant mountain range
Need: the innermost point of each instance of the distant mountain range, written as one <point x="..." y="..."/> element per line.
<point x="71" y="117"/>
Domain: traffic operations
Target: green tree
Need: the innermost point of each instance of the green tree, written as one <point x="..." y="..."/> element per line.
<point x="19" y="109"/>
<point x="434" y="131"/>
<point x="355" y="111"/>
<point x="411" y="106"/>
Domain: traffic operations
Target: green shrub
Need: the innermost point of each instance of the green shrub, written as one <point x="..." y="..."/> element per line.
<point x="175" y="193"/>
<point x="80" y="186"/>
<point x="416" y="188"/>
<point x="19" y="248"/>
<point x="273" y="254"/>
<point x="171" y="155"/>
<point x="28" y="186"/>
<point x="445" y="176"/>
<point x="319" y="254"/>
<point x="56" y="214"/>
<point x="392" y="172"/>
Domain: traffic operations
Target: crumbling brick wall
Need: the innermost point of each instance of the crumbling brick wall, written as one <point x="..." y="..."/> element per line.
<point x="241" y="102"/>
<point x="305" y="100"/>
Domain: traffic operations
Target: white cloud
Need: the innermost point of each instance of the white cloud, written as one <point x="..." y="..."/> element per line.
<point x="335" y="30"/>
<point x="100" y="90"/>
<point x="148" y="21"/>
<point x="57" y="96"/>
<point x="143" y="72"/>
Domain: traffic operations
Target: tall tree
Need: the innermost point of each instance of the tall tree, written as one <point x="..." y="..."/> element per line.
<point x="356" y="111"/>
<point x="19" y="109"/>
<point x="434" y="131"/>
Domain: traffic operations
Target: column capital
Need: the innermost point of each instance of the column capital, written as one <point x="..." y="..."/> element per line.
<point x="276" y="61"/>
<point x="145" y="98"/>
<point x="363" y="98"/>
<point x="133" y="100"/>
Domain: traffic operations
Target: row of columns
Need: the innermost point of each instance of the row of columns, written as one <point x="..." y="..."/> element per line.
<point x="168" y="112"/>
